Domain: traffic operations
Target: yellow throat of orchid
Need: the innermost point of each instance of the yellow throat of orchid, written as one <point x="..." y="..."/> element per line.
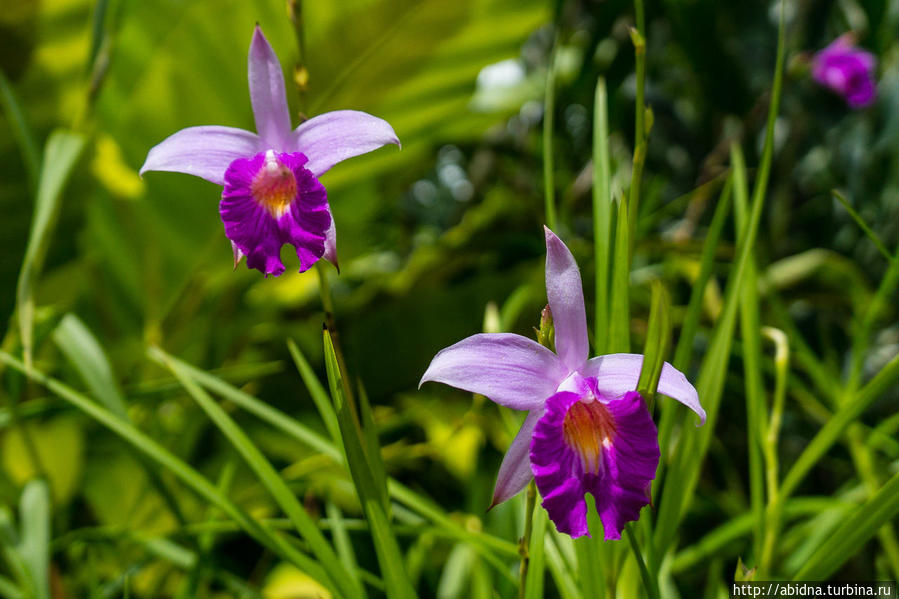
<point x="274" y="186"/>
<point x="588" y="428"/>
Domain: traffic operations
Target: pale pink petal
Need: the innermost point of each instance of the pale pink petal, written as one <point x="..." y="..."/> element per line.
<point x="616" y="374"/>
<point x="510" y="370"/>
<point x="203" y="152"/>
<point x="335" y="136"/>
<point x="566" y="301"/>
<point x="267" y="94"/>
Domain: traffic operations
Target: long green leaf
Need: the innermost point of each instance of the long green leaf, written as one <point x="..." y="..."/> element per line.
<point x="317" y="391"/>
<point x="619" y="314"/>
<point x="390" y="558"/>
<point x="854" y="532"/>
<point x="602" y="216"/>
<point x="80" y="347"/>
<point x="683" y="353"/>
<point x="20" y="130"/>
<point x="60" y="155"/>
<point x="262" y="410"/>
<point x="694" y="444"/>
<point x="175" y="465"/>
<point x="34" y="536"/>
<point x="750" y="330"/>
<point x="658" y="341"/>
<point x="339" y="577"/>
<point x="536" y="555"/>
<point x="847" y="413"/>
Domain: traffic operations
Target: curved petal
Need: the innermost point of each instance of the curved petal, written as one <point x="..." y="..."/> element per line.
<point x="267" y="94"/>
<point x="331" y="243"/>
<point x="203" y="152"/>
<point x="515" y="471"/>
<point x="566" y="302"/>
<point x="335" y="136"/>
<point x="616" y="374"/>
<point x="510" y="370"/>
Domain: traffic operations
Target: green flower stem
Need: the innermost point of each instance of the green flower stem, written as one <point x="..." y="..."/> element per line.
<point x="649" y="583"/>
<point x="641" y="129"/>
<point x="774" y="509"/>
<point x="525" y="543"/>
<point x="549" y="102"/>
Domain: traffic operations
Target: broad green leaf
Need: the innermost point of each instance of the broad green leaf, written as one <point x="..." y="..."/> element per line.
<point x="60" y="155"/>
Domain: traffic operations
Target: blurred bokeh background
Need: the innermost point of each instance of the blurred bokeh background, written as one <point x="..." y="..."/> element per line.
<point x="431" y="238"/>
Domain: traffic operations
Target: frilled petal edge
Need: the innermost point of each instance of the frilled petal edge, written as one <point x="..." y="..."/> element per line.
<point x="616" y="374"/>
<point x="203" y="152"/>
<point x="509" y="369"/>
<point x="332" y="137"/>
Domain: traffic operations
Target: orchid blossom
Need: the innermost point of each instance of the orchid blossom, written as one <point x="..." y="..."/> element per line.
<point x="272" y="194"/>
<point x="846" y="70"/>
<point x="587" y="429"/>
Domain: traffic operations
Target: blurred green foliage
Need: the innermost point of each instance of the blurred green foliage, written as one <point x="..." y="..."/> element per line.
<point x="428" y="236"/>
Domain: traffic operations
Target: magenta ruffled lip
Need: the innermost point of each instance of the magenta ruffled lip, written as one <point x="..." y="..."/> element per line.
<point x="613" y="455"/>
<point x="259" y="222"/>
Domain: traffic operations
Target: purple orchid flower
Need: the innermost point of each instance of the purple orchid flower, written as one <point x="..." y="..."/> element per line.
<point x="272" y="194"/>
<point x="587" y="429"/>
<point x="847" y="70"/>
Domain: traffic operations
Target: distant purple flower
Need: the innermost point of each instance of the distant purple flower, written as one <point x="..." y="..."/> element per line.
<point x="587" y="430"/>
<point x="272" y="194"/>
<point x="847" y="70"/>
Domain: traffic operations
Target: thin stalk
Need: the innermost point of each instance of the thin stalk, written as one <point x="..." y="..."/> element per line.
<point x="774" y="510"/>
<point x="300" y="72"/>
<point x="862" y="225"/>
<point x="640" y="127"/>
<point x="864" y="464"/>
<point x="602" y="216"/>
<point x="649" y="583"/>
<point x="549" y="103"/>
<point x="525" y="543"/>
